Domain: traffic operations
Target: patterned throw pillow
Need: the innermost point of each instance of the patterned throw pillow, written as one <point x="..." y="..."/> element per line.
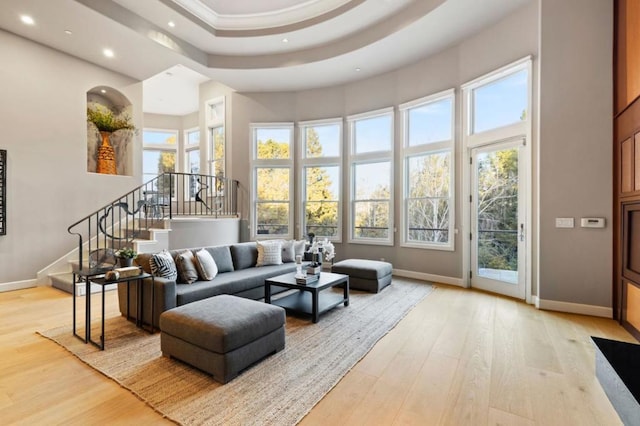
<point x="185" y="263"/>
<point x="269" y="252"/>
<point x="162" y="265"/>
<point x="207" y="268"/>
<point x="288" y="253"/>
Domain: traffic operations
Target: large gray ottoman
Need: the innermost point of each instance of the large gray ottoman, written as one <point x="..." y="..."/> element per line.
<point x="222" y="335"/>
<point x="368" y="275"/>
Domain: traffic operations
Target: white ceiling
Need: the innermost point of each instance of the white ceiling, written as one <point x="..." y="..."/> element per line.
<point x="240" y="43"/>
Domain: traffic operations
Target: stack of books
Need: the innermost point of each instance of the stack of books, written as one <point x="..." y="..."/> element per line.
<point x="308" y="279"/>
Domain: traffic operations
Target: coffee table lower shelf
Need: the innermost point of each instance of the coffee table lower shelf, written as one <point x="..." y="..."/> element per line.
<point x="302" y="302"/>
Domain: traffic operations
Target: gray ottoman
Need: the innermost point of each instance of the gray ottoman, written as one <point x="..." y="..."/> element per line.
<point x="368" y="275"/>
<point x="222" y="335"/>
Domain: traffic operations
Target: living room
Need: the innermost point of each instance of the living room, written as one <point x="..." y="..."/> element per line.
<point x="44" y="102"/>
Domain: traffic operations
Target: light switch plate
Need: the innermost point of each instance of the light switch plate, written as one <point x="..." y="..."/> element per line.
<point x="564" y="222"/>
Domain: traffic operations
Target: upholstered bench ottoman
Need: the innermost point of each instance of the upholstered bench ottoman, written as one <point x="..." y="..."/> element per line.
<point x="368" y="275"/>
<point x="222" y="335"/>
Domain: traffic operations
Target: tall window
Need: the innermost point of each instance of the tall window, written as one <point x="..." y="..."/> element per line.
<point x="192" y="158"/>
<point x="272" y="193"/>
<point x="427" y="161"/>
<point x="321" y="148"/>
<point x="371" y="177"/>
<point x="159" y="154"/>
<point x="215" y="118"/>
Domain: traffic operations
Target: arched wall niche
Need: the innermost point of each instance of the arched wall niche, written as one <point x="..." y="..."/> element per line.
<point x="107" y="101"/>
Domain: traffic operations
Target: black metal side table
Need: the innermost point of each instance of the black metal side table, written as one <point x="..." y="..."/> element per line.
<point x="96" y="276"/>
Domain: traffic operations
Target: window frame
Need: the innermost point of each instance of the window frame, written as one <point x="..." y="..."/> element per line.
<point x="305" y="162"/>
<point x="365" y="158"/>
<point x="186" y="150"/>
<point x="278" y="163"/>
<point x="432" y="148"/>
<point x="211" y="123"/>
<point x="161" y="147"/>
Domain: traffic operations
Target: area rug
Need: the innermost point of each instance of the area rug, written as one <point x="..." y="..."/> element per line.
<point x="280" y="390"/>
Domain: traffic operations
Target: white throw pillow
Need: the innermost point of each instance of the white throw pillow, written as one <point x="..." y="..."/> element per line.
<point x="269" y="252"/>
<point x="207" y="268"/>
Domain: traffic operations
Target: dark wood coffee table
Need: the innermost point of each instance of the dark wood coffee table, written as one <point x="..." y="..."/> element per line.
<point x="310" y="299"/>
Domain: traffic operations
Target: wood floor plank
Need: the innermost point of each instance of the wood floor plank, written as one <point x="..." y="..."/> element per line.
<point x="459" y="357"/>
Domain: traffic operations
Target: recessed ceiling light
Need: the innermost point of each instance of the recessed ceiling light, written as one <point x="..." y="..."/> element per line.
<point x="103" y="91"/>
<point x="171" y="24"/>
<point x="285" y="40"/>
<point x="68" y="32"/>
<point x="108" y="53"/>
<point x="358" y="69"/>
<point x="26" y="19"/>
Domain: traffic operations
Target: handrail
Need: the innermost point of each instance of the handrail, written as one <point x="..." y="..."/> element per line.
<point x="168" y="195"/>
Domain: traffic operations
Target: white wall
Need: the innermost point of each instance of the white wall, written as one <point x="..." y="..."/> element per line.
<point x="576" y="130"/>
<point x="43" y="110"/>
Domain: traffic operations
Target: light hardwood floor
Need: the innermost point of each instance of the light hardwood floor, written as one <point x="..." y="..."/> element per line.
<point x="461" y="357"/>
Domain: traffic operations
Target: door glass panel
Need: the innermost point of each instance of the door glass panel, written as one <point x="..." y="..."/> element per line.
<point x="497" y="215"/>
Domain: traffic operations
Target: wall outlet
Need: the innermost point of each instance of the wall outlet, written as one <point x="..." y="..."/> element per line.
<point x="564" y="222"/>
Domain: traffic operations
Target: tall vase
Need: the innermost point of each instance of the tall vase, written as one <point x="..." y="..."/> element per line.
<point x="106" y="156"/>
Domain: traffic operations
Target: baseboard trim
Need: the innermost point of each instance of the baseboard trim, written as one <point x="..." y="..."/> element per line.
<point x="574" y="308"/>
<point x="428" y="277"/>
<point x="18" y="285"/>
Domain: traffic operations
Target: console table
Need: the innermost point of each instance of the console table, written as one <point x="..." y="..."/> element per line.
<point x="96" y="276"/>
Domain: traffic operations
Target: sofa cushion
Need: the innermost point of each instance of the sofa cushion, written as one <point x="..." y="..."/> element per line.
<point x="269" y="252"/>
<point x="222" y="256"/>
<point x="185" y="263"/>
<point x="222" y="324"/>
<point x="207" y="268"/>
<point x="162" y="265"/>
<point x="244" y="255"/>
<point x="230" y="283"/>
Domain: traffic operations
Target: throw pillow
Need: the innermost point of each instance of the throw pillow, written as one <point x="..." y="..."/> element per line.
<point x="185" y="263"/>
<point x="288" y="252"/>
<point x="163" y="266"/>
<point x="269" y="253"/>
<point x="298" y="248"/>
<point x="207" y="268"/>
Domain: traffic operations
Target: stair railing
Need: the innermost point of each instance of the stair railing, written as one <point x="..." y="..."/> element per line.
<point x="169" y="195"/>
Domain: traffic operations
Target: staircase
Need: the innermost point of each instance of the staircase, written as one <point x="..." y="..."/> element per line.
<point x="140" y="220"/>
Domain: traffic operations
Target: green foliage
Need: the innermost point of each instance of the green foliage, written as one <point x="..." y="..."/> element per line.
<point x="106" y="121"/>
<point x="126" y="253"/>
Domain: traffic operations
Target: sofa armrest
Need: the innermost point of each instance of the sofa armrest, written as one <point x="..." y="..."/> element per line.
<point x="164" y="297"/>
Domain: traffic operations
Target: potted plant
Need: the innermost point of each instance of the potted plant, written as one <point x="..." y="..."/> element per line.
<point x="106" y="122"/>
<point x="125" y="256"/>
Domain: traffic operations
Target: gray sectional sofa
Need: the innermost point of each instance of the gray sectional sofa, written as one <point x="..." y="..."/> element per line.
<point x="237" y="275"/>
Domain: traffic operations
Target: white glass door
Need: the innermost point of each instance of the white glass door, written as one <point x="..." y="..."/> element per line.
<point x="498" y="237"/>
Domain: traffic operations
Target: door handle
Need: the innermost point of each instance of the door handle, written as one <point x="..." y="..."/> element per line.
<point x="522" y="232"/>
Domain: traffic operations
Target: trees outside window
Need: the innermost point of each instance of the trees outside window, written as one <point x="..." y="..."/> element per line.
<point x="321" y="143"/>
<point x="371" y="177"/>
<point x="428" y="206"/>
<point x="272" y="166"/>
<point x="159" y="156"/>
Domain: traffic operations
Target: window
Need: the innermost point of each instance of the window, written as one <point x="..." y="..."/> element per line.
<point x="371" y="177"/>
<point x="215" y="122"/>
<point x="192" y="159"/>
<point x="321" y="143"/>
<point x="272" y="165"/>
<point x="500" y="102"/>
<point x="159" y="154"/>
<point x="427" y="161"/>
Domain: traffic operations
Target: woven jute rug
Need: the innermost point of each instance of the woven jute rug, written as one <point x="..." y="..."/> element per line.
<point x="279" y="390"/>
